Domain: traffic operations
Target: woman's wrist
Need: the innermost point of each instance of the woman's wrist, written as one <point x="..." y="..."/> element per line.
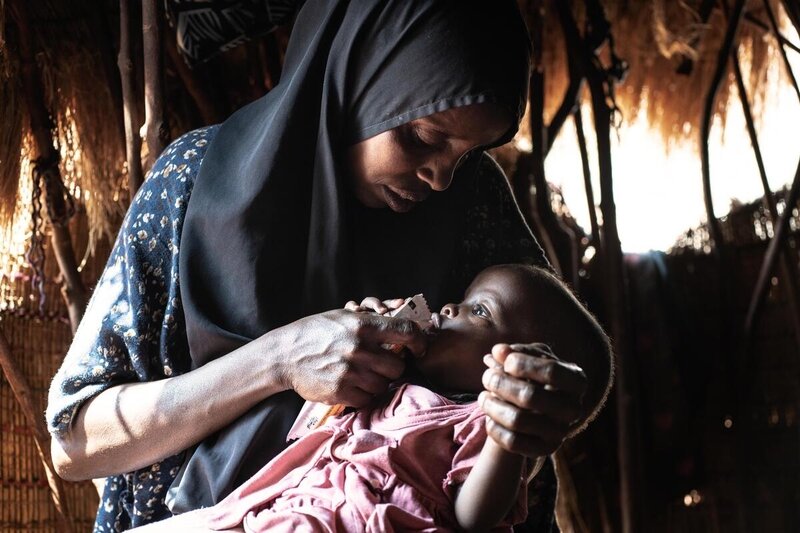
<point x="272" y="353"/>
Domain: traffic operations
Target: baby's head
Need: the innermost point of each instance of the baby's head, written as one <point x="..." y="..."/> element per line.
<point x="516" y="303"/>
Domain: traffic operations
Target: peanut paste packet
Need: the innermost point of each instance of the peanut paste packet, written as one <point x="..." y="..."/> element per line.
<point x="314" y="414"/>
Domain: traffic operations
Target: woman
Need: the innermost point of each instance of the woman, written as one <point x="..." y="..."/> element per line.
<point x="361" y="173"/>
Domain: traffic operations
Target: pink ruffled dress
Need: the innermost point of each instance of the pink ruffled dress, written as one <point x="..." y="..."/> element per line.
<point x="391" y="468"/>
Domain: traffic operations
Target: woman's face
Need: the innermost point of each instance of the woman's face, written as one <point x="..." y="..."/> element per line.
<point x="402" y="166"/>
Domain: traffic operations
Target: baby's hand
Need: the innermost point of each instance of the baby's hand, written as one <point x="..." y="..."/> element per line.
<point x="371" y="304"/>
<point x="532" y="399"/>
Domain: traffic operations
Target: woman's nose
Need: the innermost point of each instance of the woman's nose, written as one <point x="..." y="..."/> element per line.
<point x="438" y="176"/>
<point x="450" y="310"/>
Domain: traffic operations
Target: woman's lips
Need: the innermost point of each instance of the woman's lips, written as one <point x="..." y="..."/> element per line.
<point x="401" y="200"/>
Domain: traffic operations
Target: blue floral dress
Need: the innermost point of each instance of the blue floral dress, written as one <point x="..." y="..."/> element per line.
<point x="134" y="328"/>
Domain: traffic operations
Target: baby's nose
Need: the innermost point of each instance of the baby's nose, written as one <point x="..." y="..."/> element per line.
<point x="450" y="310"/>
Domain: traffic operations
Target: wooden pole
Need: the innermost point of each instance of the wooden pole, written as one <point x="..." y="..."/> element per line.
<point x="585" y="49"/>
<point x="157" y="135"/>
<point x="792" y="8"/>
<point x="789" y="271"/>
<point x="25" y="399"/>
<point x="705" y="124"/>
<point x="567" y="107"/>
<point x="781" y="41"/>
<point x="615" y="306"/>
<point x="771" y="256"/>
<point x="541" y="202"/>
<point x="133" y="141"/>
<point x="105" y="48"/>
<point x="587" y="179"/>
<point x="74" y="292"/>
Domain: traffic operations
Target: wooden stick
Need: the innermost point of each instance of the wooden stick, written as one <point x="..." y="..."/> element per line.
<point x="105" y="48"/>
<point x="155" y="124"/>
<point x="24" y="396"/>
<point x="133" y="141"/>
<point x="612" y="266"/>
<point x="789" y="271"/>
<point x="708" y="110"/>
<point x="777" y="34"/>
<point x="773" y="249"/>
<point x="572" y="95"/>
<point x="567" y="107"/>
<point x="74" y="291"/>
<point x="750" y="18"/>
<point x="587" y="179"/>
<point x="541" y="205"/>
<point x="792" y="9"/>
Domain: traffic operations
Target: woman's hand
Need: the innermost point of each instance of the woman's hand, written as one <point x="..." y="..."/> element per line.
<point x="532" y="399"/>
<point x="336" y="357"/>
<point x="370" y="304"/>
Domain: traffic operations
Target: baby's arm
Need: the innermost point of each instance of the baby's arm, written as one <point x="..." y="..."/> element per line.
<point x="490" y="490"/>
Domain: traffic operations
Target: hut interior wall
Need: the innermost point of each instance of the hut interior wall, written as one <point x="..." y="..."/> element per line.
<point x="39" y="338"/>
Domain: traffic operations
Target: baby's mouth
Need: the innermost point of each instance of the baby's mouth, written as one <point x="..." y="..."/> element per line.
<point x="436" y="322"/>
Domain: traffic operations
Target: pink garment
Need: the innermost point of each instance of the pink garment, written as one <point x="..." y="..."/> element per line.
<point x="389" y="468"/>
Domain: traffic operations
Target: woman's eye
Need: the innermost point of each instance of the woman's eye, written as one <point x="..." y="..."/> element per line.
<point x="480" y="310"/>
<point x="417" y="138"/>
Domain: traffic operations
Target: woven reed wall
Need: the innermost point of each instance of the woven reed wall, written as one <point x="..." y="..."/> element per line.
<point x="39" y="342"/>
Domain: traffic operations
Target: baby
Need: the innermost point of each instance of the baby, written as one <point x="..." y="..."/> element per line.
<point x="417" y="459"/>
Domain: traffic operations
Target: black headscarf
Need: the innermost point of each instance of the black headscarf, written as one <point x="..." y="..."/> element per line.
<point x="266" y="237"/>
<point x="272" y="229"/>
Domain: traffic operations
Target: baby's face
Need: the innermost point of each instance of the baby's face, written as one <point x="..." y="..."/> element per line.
<point x="496" y="308"/>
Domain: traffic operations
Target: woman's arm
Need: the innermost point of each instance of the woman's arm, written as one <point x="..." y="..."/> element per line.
<point x="333" y="357"/>
<point x="134" y="425"/>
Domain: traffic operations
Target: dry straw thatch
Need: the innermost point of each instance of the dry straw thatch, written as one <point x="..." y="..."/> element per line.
<point x="653" y="37"/>
<point x="67" y="38"/>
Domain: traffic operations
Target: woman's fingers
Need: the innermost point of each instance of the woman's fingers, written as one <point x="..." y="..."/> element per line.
<point x="559" y="375"/>
<point x="355" y="397"/>
<point x="528" y="445"/>
<point x="519" y="420"/>
<point x="379" y="362"/>
<point x="373" y="304"/>
<point x="561" y="406"/>
<point x="394" y="303"/>
<point x="389" y="330"/>
<point x="536" y="362"/>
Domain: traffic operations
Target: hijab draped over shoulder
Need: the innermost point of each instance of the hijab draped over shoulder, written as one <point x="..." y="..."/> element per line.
<point x="273" y="230"/>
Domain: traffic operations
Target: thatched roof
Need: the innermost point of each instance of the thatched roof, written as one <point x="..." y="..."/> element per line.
<point x="77" y="57"/>
<point x="655" y="37"/>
